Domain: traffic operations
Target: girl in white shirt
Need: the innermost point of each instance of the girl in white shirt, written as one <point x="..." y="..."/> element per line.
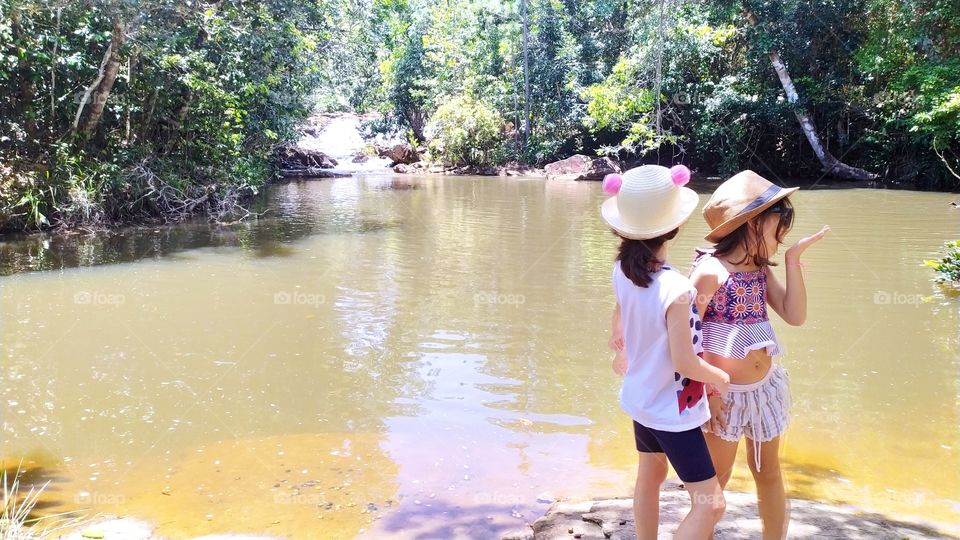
<point x="659" y="352"/>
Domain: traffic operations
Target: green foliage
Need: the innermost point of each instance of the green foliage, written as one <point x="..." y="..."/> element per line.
<point x="407" y="75"/>
<point x="467" y="132"/>
<point x="202" y="93"/>
<point x="910" y="61"/>
<point x="617" y="102"/>
<point x="429" y="51"/>
<point x="204" y="90"/>
<point x="948" y="267"/>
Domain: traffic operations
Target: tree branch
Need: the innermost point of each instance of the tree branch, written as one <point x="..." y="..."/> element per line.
<point x="831" y="165"/>
<point x="944" y="160"/>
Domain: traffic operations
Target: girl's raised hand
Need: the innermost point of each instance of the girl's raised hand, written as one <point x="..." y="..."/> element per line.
<point x="797" y="249"/>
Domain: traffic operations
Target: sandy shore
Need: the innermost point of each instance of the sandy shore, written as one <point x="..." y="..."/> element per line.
<point x="613" y="518"/>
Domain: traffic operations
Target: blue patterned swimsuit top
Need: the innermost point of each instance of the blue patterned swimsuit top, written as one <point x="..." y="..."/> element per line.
<point x="735" y="321"/>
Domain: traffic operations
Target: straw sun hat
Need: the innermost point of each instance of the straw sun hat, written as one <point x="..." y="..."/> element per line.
<point x="649" y="201"/>
<point x="738" y="200"/>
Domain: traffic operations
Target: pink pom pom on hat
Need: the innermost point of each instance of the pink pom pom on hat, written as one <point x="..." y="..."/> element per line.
<point x="680" y="175"/>
<point x="612" y="183"/>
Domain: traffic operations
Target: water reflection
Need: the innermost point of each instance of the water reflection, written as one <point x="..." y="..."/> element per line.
<point x="292" y="212"/>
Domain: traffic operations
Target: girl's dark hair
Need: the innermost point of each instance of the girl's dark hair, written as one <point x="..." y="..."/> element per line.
<point x="638" y="259"/>
<point x="741" y="237"/>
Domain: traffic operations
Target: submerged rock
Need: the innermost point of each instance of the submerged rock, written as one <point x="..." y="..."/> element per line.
<point x="312" y="172"/>
<point x="296" y="161"/>
<point x="294" y="157"/>
<point x="400" y="153"/>
<point x="405" y="168"/>
<point x="474" y="170"/>
<point x="514" y="168"/>
<point x="580" y="167"/>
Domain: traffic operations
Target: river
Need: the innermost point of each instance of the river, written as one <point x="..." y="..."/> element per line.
<point x="427" y="356"/>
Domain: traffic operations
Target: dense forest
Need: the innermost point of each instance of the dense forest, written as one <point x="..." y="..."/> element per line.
<point x="125" y="110"/>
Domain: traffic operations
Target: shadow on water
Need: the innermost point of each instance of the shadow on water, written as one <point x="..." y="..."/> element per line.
<point x="32" y="476"/>
<point x="284" y="220"/>
<point x="441" y="519"/>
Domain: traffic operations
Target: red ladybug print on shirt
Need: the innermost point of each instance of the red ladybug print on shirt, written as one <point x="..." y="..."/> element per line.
<point x="690" y="395"/>
<point x="691" y="391"/>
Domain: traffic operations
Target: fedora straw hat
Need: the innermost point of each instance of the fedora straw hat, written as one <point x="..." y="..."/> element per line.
<point x="738" y="200"/>
<point x="650" y="202"/>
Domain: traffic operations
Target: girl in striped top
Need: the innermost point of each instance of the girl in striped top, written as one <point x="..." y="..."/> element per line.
<point x="749" y="218"/>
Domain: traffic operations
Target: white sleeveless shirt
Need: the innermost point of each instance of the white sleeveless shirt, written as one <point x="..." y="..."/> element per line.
<point x="653" y="393"/>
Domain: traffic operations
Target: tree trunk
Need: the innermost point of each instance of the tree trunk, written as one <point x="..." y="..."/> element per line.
<point x="100" y="89"/>
<point x="23" y="98"/>
<point x="526" y="75"/>
<point x="831" y="165"/>
<point x="89" y="90"/>
<point x="186" y="100"/>
<point x="417" y="120"/>
<point x="172" y="127"/>
<point x="127" y="133"/>
<point x="28" y="90"/>
<point x="151" y="106"/>
<point x="53" y="74"/>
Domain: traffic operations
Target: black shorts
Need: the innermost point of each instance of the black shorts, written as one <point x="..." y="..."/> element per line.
<point x="686" y="450"/>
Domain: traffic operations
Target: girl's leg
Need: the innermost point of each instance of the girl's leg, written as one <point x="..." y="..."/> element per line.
<point x="771" y="497"/>
<point x="723" y="453"/>
<point x="707" y="506"/>
<point x="651" y="472"/>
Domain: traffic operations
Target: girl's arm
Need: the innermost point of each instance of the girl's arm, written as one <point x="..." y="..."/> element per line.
<point x="706" y="278"/>
<point x="790" y="301"/>
<point x="685" y="361"/>
<point x="616" y="332"/>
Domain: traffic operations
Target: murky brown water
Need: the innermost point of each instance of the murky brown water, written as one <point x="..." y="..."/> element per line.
<point x="427" y="356"/>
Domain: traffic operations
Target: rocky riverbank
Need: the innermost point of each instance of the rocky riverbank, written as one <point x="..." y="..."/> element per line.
<point x="613" y="519"/>
<point x="332" y="145"/>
